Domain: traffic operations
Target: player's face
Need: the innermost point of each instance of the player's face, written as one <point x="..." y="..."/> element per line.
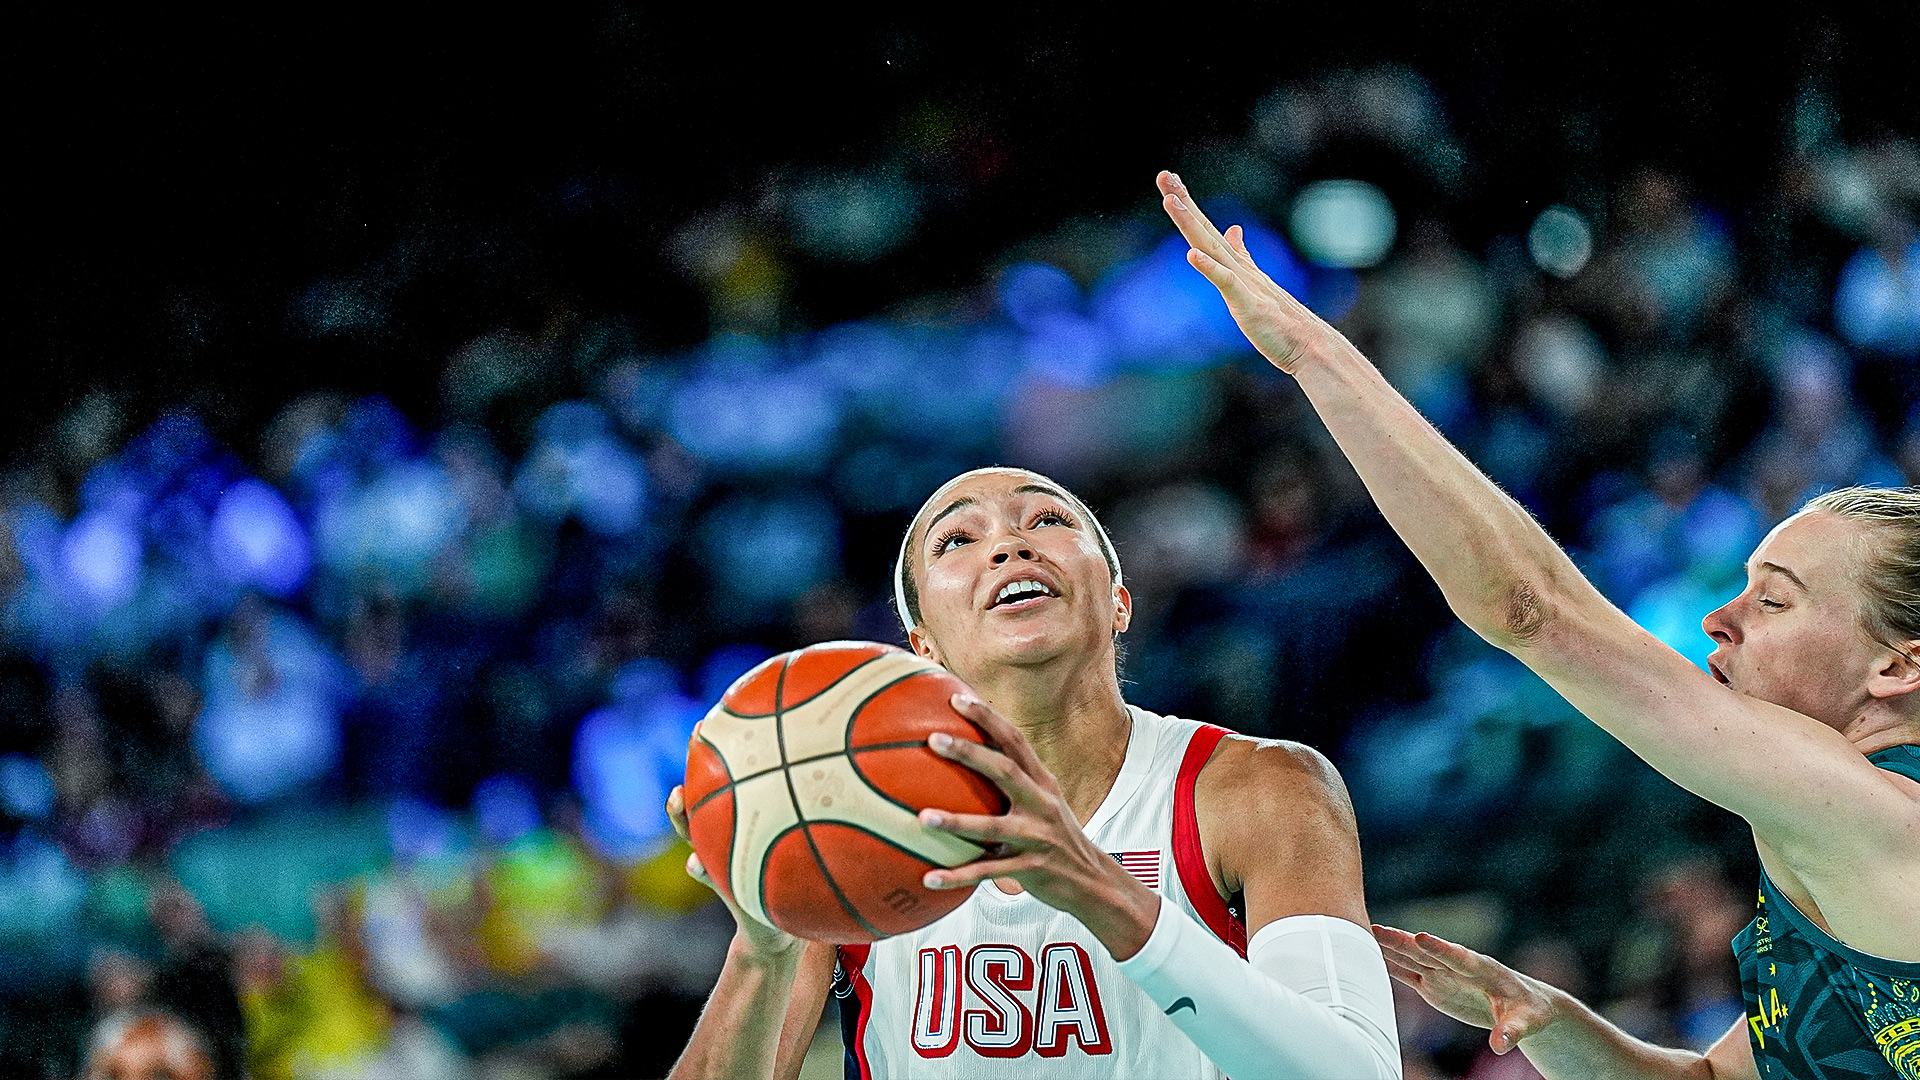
<point x="1795" y="636"/>
<point x="1011" y="573"/>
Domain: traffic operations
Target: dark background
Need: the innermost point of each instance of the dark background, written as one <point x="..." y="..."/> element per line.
<point x="192" y="192"/>
<point x="178" y="179"/>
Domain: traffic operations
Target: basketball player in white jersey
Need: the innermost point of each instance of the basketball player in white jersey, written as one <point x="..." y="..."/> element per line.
<point x="1161" y="899"/>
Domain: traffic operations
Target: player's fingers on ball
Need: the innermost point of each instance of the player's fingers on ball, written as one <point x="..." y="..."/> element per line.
<point x="677" y="810"/>
<point x="984" y="760"/>
<point x="993" y="828"/>
<point x="698" y="871"/>
<point x="965" y="875"/>
<point x="1005" y="737"/>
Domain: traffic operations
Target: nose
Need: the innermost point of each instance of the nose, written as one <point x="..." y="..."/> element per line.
<point x="1010" y="548"/>
<point x="1721" y="625"/>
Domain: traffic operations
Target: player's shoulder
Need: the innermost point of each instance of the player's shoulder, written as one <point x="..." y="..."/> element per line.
<point x="1271" y="770"/>
<point x="1264" y="804"/>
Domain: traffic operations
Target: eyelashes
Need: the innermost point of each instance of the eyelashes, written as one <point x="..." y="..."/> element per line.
<point x="945" y="539"/>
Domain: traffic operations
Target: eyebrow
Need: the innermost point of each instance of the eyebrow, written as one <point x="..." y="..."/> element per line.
<point x="968" y="500"/>
<point x="1790" y="575"/>
<point x="1041" y="489"/>
<point x="964" y="500"/>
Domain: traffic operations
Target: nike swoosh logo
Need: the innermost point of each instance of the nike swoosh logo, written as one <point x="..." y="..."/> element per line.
<point x="1183" y="1003"/>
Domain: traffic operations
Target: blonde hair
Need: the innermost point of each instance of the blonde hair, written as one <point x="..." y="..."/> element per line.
<point x="1891" y="576"/>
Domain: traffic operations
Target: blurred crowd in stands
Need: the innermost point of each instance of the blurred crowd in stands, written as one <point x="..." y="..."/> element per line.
<point x="342" y="744"/>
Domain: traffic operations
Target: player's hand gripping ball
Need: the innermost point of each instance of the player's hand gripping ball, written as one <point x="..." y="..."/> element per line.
<point x="804" y="782"/>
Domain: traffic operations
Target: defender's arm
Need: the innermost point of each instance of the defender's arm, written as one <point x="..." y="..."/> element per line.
<point x="1560" y="1035"/>
<point x="1804" y="788"/>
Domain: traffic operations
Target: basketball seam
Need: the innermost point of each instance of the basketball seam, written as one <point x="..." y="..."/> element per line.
<point x="852" y="750"/>
<point x="826" y="875"/>
<point x="779" y="706"/>
<point x="734" y="830"/>
<point x="864" y="830"/>
<point x="733" y="783"/>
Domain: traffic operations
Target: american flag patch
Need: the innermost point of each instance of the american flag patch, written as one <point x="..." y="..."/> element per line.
<point x="1144" y="865"/>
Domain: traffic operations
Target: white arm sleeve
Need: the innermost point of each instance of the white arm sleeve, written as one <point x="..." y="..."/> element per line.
<point x="1312" y="1001"/>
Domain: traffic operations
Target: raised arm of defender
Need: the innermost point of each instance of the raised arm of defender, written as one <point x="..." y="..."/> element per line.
<point x="1807" y="791"/>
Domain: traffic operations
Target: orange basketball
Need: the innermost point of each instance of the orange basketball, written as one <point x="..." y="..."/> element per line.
<point x="804" y="782"/>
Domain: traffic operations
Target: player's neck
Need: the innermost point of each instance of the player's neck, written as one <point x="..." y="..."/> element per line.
<point x="1880" y="726"/>
<point x="1077" y="726"/>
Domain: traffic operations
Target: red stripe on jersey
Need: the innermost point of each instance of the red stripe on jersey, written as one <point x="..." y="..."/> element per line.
<point x="853" y="960"/>
<point x="1188" y="859"/>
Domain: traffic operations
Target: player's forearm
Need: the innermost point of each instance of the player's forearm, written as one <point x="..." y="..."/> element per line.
<point x="1306" y="1004"/>
<point x="740" y="1030"/>
<point x="1500" y="571"/>
<point x="1580" y="1044"/>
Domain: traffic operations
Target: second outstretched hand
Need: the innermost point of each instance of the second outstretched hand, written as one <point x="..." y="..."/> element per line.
<point x="1038" y="842"/>
<point x="1470" y="987"/>
<point x="1281" y="327"/>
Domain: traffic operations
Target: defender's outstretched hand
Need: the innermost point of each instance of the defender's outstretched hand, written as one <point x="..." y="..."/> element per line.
<point x="1282" y="328"/>
<point x="1468" y="986"/>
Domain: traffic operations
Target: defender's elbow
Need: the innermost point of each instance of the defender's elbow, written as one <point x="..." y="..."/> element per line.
<point x="1509" y="619"/>
<point x="1524" y="614"/>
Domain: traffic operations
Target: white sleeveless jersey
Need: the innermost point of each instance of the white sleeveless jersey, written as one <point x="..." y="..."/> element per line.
<point x="1005" y="986"/>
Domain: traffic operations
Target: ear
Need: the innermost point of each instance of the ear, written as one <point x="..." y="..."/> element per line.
<point x="922" y="644"/>
<point x="1896" y="672"/>
<point x="1122" y="609"/>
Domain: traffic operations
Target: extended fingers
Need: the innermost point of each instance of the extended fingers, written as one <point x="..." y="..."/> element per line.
<point x="1223" y="275"/>
<point x="1004" y="735"/>
<point x="1457" y="958"/>
<point x="986" y="828"/>
<point x="1406" y="973"/>
<point x="1187" y="216"/>
<point x="967" y="875"/>
<point x="986" y="761"/>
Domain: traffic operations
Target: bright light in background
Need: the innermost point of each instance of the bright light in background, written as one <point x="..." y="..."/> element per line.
<point x="257" y="540"/>
<point x="1560" y="241"/>
<point x="1346" y="223"/>
<point x="102" y="555"/>
<point x="25" y="789"/>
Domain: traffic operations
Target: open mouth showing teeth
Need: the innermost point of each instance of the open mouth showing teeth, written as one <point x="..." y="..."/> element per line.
<point x="1015" y="591"/>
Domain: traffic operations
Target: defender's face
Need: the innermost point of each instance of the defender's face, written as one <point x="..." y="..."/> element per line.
<point x="1010" y="572"/>
<point x="1795" y="636"/>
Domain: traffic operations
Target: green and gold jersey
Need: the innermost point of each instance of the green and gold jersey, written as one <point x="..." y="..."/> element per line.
<point x="1818" y="1010"/>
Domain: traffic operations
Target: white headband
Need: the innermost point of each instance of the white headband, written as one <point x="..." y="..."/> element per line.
<point x="900" y="564"/>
